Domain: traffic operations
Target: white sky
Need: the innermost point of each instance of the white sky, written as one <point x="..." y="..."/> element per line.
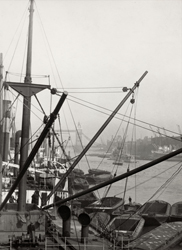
<point x="102" y="43"/>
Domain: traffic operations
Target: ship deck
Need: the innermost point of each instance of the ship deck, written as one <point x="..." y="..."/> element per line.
<point x="74" y="241"/>
<point x="163" y="237"/>
<point x="166" y="236"/>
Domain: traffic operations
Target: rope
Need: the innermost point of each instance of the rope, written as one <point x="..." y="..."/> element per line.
<point x="107" y="189"/>
<point x="30" y="110"/>
<point x="48" y="45"/>
<point x="39" y="104"/>
<point x="28" y="141"/>
<point x="100" y="92"/>
<point x="23" y="18"/>
<point x="96" y="88"/>
<point x="135" y="120"/>
<point x="163" y="186"/>
<point x="15" y="47"/>
<point x="23" y="59"/>
<point x="141" y="183"/>
<point x="32" y="75"/>
<point x="168" y="181"/>
<point x="77" y="133"/>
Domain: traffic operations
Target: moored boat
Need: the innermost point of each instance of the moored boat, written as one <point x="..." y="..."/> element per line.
<point x="105" y="204"/>
<point x="155" y="212"/>
<point x="95" y="176"/>
<point x="78" y="172"/>
<point x="87" y="199"/>
<point x="129" y="158"/>
<point x="176" y="211"/>
<point x="102" y="177"/>
<point x="162" y="151"/>
<point x="99" y="221"/>
<point x="126" y="227"/>
<point x="79" y="183"/>
<point x="97" y="171"/>
<point x="119" y="162"/>
<point x="75" y="239"/>
<point x="133" y="207"/>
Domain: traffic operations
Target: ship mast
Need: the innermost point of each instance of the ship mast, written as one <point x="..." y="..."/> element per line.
<point x="1" y="119"/>
<point x="26" y="114"/>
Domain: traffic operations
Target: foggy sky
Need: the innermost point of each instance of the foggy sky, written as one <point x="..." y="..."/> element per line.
<point x="84" y="44"/>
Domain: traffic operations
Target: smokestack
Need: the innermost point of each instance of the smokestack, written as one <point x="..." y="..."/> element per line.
<point x="6" y="128"/>
<point x="65" y="213"/>
<point x="84" y="220"/>
<point x="17" y="150"/>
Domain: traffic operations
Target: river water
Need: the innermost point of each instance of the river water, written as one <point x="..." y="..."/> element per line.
<point x="162" y="181"/>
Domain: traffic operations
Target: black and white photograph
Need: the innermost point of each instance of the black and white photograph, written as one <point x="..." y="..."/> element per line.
<point x="91" y="124"/>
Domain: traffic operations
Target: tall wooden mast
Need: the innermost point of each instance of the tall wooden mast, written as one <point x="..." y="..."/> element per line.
<point x="1" y="119"/>
<point x="26" y="114"/>
<point x="26" y="89"/>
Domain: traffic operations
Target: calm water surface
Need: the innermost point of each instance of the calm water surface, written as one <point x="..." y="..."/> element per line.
<point x="162" y="181"/>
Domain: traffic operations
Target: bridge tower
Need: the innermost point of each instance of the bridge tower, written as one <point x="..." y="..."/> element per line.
<point x="78" y="143"/>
